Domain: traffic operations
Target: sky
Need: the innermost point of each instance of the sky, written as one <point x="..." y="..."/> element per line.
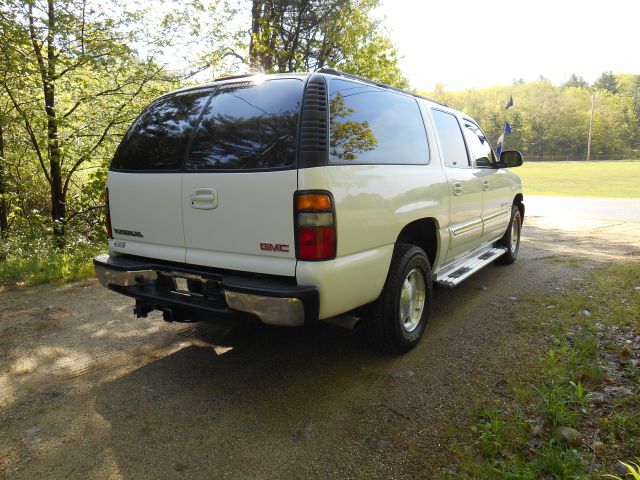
<point x="473" y="44"/>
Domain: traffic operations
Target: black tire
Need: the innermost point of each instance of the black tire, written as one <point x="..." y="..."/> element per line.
<point x="507" y="240"/>
<point x="384" y="326"/>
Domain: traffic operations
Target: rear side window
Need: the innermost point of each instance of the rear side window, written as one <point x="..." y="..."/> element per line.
<point x="158" y="139"/>
<point x="372" y="125"/>
<point x="249" y="126"/>
<point x="452" y="144"/>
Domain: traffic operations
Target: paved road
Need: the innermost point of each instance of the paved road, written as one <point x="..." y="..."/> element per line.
<point x="87" y="391"/>
<point x="606" y="210"/>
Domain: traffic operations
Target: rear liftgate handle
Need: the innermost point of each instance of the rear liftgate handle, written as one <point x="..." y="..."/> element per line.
<point x="204" y="198"/>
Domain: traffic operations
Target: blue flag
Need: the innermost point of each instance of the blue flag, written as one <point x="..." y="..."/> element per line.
<point x="507" y="128"/>
<point x="510" y="104"/>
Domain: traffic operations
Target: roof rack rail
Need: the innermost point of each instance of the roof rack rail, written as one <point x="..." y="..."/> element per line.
<point x="333" y="71"/>
<point x="233" y="77"/>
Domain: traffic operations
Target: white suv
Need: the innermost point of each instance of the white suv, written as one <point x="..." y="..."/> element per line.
<point x="294" y="198"/>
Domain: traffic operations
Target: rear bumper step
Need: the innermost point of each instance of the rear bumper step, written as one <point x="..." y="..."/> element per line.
<point x="190" y="293"/>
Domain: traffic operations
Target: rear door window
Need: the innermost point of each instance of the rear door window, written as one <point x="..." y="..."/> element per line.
<point x="249" y="126"/>
<point x="454" y="151"/>
<point x="158" y="139"/>
<point x="374" y="125"/>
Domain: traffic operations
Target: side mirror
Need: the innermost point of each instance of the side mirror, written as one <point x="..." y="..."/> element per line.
<point x="510" y="159"/>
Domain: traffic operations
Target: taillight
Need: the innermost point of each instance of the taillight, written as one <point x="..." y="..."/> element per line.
<point x="315" y="219"/>
<point x="107" y="213"/>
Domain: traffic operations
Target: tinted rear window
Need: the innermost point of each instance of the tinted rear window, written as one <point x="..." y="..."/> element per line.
<point x="249" y="126"/>
<point x="159" y="137"/>
<point x="373" y="125"/>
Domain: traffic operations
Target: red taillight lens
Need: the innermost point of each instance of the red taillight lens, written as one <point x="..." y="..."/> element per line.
<point x="316" y="243"/>
<point x="107" y="213"/>
<point x="315" y="226"/>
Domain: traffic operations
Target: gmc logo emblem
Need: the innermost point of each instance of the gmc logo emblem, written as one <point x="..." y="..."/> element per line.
<point x="270" y="247"/>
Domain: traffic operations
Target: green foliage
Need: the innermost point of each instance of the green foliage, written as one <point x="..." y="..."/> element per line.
<point x="633" y="471"/>
<point x="549" y="120"/>
<point x="305" y="35"/>
<point x="32" y="256"/>
<point x="576" y="82"/>
<point x="607" y="81"/>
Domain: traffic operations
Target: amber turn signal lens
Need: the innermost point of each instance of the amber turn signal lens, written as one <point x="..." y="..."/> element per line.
<point x="313" y="201"/>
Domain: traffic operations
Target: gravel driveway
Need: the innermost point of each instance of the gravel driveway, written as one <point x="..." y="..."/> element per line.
<point x="88" y="391"/>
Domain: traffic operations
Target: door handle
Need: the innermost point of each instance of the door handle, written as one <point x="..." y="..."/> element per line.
<point x="457" y="189"/>
<point x="485" y="185"/>
<point x="201" y="198"/>
<point x="204" y="198"/>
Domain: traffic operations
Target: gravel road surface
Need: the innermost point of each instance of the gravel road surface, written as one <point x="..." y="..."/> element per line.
<point x="88" y="391"/>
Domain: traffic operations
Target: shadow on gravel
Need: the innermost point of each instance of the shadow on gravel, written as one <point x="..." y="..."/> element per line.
<point x="266" y="396"/>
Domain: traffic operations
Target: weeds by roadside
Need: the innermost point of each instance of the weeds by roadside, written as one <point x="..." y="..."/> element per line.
<point x="34" y="258"/>
<point x="580" y="416"/>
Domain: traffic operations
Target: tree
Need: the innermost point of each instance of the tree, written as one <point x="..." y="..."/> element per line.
<point x="607" y="81"/>
<point x="303" y="35"/>
<point x="4" y="222"/>
<point x="74" y="83"/>
<point x="576" y="81"/>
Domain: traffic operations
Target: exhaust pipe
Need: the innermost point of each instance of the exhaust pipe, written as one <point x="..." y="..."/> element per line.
<point x="345" y="321"/>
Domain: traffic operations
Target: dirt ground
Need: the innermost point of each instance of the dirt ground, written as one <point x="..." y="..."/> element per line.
<point x="88" y="391"/>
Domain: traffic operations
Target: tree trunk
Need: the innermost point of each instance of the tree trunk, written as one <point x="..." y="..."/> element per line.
<point x="256" y="17"/>
<point x="58" y="210"/>
<point x="4" y="222"/>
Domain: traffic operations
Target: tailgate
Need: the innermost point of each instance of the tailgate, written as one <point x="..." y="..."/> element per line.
<point x="251" y="226"/>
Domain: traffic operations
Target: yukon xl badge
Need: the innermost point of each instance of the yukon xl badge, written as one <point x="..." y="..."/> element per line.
<point x="129" y="233"/>
<point x="270" y="247"/>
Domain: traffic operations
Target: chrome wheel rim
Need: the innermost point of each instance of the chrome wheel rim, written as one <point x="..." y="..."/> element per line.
<point x="515" y="234"/>
<point x="412" y="299"/>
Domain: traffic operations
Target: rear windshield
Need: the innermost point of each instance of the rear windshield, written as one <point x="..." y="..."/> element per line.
<point x="239" y="126"/>
<point x="252" y="127"/>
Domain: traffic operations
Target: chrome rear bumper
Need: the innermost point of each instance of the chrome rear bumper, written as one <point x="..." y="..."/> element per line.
<point x="203" y="294"/>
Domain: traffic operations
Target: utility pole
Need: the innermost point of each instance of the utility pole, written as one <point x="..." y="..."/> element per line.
<point x="593" y="103"/>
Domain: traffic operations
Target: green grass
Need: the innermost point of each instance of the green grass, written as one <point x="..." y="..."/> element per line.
<point x="514" y="438"/>
<point x="581" y="179"/>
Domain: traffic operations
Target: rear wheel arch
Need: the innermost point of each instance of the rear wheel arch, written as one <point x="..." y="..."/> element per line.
<point x="422" y="233"/>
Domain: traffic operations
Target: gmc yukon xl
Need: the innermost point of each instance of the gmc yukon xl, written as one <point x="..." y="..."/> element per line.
<point x="295" y="198"/>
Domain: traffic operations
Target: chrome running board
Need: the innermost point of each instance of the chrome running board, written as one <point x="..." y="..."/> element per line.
<point x="467" y="266"/>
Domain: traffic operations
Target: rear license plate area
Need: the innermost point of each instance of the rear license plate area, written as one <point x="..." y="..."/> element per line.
<point x="181" y="284"/>
<point x="187" y="286"/>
